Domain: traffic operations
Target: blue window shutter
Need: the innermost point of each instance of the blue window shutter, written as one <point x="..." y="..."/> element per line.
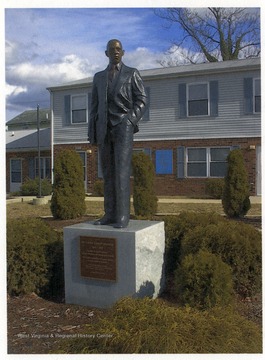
<point x="146" y="116"/>
<point x="182" y="101"/>
<point x="164" y="161"/>
<point x="248" y="96"/>
<point x="180" y="162"/>
<point x="32" y="168"/>
<point x="214" y="98"/>
<point x="67" y="110"/>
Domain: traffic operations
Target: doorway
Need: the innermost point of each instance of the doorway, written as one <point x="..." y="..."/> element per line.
<point x="15" y="174"/>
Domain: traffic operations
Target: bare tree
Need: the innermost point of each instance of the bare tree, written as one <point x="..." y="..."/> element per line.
<point x="219" y="34"/>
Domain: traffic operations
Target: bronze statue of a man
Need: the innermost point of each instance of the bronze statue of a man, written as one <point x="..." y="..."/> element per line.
<point x="118" y="103"/>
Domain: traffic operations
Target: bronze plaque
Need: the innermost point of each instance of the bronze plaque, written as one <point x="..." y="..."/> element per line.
<point x="98" y="258"/>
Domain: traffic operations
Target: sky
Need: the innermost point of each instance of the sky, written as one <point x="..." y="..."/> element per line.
<point x="46" y="46"/>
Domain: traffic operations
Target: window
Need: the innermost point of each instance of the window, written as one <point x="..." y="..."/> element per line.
<point x="257" y="96"/>
<point x="16" y="171"/>
<point x="199" y="99"/>
<point x="252" y="96"/>
<point x="198" y="95"/>
<point x="207" y="162"/>
<point x="196" y="162"/>
<point x="79" y="109"/>
<point x="45" y="166"/>
<point x="76" y="109"/>
<point x="164" y="162"/>
<point x="218" y="163"/>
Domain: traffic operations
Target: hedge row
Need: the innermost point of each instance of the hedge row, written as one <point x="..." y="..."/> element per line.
<point x="34" y="258"/>
<point x="137" y="326"/>
<point x="34" y="250"/>
<point x="236" y="244"/>
<point x="31" y="187"/>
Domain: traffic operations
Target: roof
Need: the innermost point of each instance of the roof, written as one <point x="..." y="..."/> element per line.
<point x="178" y="71"/>
<point x="28" y="139"/>
<point x="29" y="117"/>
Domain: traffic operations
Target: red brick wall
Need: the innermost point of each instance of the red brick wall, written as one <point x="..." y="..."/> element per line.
<point x="170" y="184"/>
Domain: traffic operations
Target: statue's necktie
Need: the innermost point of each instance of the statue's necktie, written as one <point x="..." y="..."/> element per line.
<point x="112" y="72"/>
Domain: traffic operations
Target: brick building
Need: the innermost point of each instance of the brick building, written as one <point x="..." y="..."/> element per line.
<point x="22" y="148"/>
<point x="197" y="114"/>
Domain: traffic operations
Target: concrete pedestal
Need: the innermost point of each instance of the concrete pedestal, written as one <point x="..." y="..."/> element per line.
<point x="139" y="262"/>
<point x="40" y="201"/>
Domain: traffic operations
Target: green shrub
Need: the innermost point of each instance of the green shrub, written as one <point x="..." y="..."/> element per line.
<point x="146" y="326"/>
<point x="54" y="254"/>
<point x="144" y="198"/>
<point x="98" y="189"/>
<point x="31" y="187"/>
<point x="68" y="198"/>
<point x="235" y="198"/>
<point x="28" y="263"/>
<point x="214" y="188"/>
<point x="203" y="281"/>
<point x="239" y="246"/>
<point x="176" y="227"/>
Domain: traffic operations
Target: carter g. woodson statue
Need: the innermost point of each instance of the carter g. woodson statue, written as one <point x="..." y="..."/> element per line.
<point x="118" y="103"/>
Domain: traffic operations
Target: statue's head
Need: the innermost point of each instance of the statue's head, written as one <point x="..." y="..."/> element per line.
<point x="114" y="51"/>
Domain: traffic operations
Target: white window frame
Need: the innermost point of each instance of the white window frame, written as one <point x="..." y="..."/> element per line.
<point x="86" y="108"/>
<point x="208" y="161"/>
<point x="211" y="161"/>
<point x="187" y="161"/>
<point x="254" y="96"/>
<point x="208" y="98"/>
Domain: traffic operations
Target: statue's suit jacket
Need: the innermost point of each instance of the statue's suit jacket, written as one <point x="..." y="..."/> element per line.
<point x="128" y="97"/>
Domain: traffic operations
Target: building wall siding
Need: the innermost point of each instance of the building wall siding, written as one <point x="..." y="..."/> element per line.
<point x="165" y="123"/>
<point x="231" y="121"/>
<point x="72" y="133"/>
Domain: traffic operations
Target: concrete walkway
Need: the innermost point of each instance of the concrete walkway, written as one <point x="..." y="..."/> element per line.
<point x="169" y="200"/>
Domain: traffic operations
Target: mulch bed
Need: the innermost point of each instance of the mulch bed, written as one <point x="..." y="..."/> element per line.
<point x="38" y="326"/>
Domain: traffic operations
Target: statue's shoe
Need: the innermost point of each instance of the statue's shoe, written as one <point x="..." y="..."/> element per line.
<point x="105" y="220"/>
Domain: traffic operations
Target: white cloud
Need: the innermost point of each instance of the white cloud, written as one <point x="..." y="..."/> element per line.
<point x="142" y="58"/>
<point x="12" y="90"/>
<point x="177" y="55"/>
<point x="71" y="67"/>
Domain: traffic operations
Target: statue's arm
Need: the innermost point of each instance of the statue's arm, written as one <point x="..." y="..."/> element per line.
<point x="140" y="100"/>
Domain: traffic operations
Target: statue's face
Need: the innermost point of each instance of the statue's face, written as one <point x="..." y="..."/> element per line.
<point x="114" y="52"/>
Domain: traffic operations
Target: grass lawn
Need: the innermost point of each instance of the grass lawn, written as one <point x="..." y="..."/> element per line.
<point x="96" y="208"/>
